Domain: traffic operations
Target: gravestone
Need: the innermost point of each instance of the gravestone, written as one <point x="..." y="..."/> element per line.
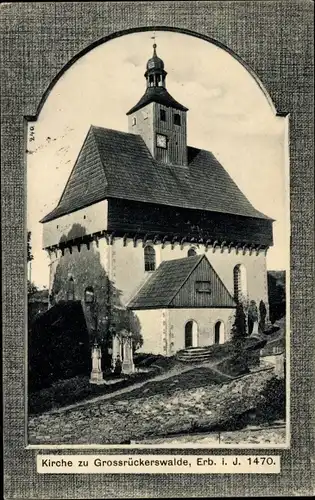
<point x="96" y="373"/>
<point x="128" y="364"/>
<point x="116" y="350"/>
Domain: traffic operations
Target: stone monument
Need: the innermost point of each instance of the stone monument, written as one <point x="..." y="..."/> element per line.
<point x="116" y="350"/>
<point x="96" y="373"/>
<point x="128" y="364"/>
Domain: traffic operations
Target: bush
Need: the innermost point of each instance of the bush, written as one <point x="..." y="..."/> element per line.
<point x="272" y="405"/>
<point x="58" y="346"/>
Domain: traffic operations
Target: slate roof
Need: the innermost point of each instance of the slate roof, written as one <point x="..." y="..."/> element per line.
<point x="157" y="94"/>
<point x="114" y="164"/>
<point x="164" y="284"/>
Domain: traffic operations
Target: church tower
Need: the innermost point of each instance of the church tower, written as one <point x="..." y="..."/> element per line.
<point x="158" y="118"/>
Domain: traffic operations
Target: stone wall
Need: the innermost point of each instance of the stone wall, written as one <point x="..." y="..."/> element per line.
<point x="151" y="322"/>
<point x="206" y="320"/>
<point x="90" y="219"/>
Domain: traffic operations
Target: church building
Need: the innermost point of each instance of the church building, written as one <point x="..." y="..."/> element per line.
<point x="178" y="241"/>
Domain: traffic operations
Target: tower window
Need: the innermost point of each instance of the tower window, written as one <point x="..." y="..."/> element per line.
<point x="151" y="80"/>
<point x="134" y="121"/>
<point x="176" y="119"/>
<point x="203" y="286"/>
<point x="191" y="252"/>
<point x="89" y="295"/>
<point x="163" y="115"/>
<point x="149" y="258"/>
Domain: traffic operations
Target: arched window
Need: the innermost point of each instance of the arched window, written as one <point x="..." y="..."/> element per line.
<point x="149" y="258"/>
<point x="89" y="295"/>
<point x="240" y="283"/>
<point x="191" y="252"/>
<point x="70" y="290"/>
<point x="134" y="121"/>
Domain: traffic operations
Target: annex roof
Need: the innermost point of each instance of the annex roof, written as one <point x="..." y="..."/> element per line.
<point x="165" y="283"/>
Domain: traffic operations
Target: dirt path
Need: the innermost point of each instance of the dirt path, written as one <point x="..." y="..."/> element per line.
<point x="172" y="373"/>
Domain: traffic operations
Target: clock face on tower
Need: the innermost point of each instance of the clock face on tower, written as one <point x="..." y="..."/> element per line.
<point x="161" y="141"/>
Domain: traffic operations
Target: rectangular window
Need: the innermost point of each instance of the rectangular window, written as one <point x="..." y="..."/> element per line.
<point x="176" y="119"/>
<point x="162" y="115"/>
<point x="203" y="286"/>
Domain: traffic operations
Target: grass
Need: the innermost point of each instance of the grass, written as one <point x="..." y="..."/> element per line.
<point x="76" y="389"/>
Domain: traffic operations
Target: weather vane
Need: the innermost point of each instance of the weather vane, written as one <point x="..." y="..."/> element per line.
<point x="153" y="38"/>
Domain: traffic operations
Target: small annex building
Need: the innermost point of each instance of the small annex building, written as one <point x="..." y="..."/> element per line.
<point x="184" y="303"/>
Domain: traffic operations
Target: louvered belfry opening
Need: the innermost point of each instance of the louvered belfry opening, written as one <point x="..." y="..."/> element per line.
<point x="149" y="258"/>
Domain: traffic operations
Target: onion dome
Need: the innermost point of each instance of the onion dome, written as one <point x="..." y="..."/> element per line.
<point x="155" y="63"/>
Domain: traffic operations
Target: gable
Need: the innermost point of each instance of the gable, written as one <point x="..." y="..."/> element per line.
<point x="203" y="288"/>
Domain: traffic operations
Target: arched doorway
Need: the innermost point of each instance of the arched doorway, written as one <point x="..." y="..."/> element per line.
<point x="219" y="332"/>
<point x="191" y="334"/>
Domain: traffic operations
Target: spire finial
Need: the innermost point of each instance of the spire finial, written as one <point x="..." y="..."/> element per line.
<point x="154" y="45"/>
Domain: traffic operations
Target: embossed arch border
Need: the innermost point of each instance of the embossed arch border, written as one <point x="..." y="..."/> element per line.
<point x="290" y="88"/>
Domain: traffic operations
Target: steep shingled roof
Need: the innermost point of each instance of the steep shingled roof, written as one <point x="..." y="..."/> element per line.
<point x="164" y="284"/>
<point x="114" y="164"/>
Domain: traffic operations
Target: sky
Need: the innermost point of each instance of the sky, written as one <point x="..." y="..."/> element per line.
<point x="228" y="115"/>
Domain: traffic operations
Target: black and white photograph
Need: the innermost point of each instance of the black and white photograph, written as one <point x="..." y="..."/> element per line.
<point x="157" y="166"/>
<point x="158" y="240"/>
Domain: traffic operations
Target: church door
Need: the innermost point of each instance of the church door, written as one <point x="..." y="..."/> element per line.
<point x="188" y="334"/>
<point x="191" y="334"/>
<point x="219" y="332"/>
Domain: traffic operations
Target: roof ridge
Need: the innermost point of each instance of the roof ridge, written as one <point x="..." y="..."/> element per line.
<point x="98" y="127"/>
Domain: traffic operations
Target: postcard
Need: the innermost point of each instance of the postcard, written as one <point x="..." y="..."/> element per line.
<point x="159" y="310"/>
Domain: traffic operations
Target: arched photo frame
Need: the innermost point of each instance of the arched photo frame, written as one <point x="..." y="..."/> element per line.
<point x="241" y="26"/>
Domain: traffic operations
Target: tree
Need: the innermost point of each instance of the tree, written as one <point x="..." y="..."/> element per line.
<point x="29" y="247"/>
<point x="239" y="326"/>
<point x="240" y="358"/>
<point x="262" y="316"/>
<point x="85" y="267"/>
<point x="31" y="288"/>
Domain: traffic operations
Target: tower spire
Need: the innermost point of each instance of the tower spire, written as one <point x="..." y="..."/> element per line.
<point x="155" y="73"/>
